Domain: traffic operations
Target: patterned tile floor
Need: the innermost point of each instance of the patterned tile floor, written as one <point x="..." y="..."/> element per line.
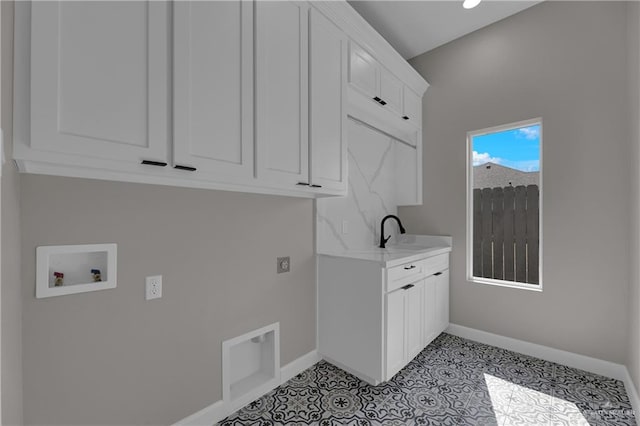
<point x="453" y="381"/>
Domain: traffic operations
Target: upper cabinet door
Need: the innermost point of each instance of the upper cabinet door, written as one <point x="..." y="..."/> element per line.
<point x="213" y="87"/>
<point x="282" y="114"/>
<point x="390" y="91"/>
<point x="412" y="107"/>
<point x="99" y="79"/>
<point x="363" y="71"/>
<point x="327" y="102"/>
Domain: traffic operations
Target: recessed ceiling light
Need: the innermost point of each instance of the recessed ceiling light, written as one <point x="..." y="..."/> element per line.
<point x="470" y="4"/>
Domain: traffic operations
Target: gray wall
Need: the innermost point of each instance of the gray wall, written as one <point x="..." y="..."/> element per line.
<point x="11" y="309"/>
<point x="633" y="351"/>
<point x="564" y="62"/>
<point x="110" y="357"/>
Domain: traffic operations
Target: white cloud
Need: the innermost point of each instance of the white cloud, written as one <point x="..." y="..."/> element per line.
<point x="484" y="157"/>
<point x="532" y="132"/>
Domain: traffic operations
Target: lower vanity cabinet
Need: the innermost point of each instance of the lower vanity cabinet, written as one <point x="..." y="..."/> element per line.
<point x="372" y="319"/>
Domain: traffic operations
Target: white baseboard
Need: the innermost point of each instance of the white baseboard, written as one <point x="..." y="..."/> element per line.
<point x="219" y="410"/>
<point x="297" y="366"/>
<point x="570" y="359"/>
<point x="632" y="392"/>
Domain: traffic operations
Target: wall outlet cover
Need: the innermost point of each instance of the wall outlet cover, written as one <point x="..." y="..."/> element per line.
<point x="153" y="288"/>
<point x="284" y="264"/>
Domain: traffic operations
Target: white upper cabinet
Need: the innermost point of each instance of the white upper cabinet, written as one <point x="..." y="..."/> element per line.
<point x="375" y="82"/>
<point x="213" y="88"/>
<point x="301" y="67"/>
<point x="327" y="102"/>
<point x="99" y="79"/>
<point x="238" y="95"/>
<point x="282" y="137"/>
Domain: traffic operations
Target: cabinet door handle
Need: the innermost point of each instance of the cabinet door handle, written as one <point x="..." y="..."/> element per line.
<point x="302" y="184"/>
<point x="409" y="267"/>
<point x="188" y="168"/>
<point x="404" y="117"/>
<point x="437" y="274"/>
<point x="377" y="99"/>
<point x="408" y="286"/>
<point x="153" y="163"/>
<point x="315" y="186"/>
<point x="382" y="102"/>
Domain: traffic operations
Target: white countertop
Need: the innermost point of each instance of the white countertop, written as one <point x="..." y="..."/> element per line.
<point x="409" y="248"/>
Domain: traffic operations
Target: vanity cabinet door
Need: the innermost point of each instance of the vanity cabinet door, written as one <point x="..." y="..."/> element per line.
<point x="414" y="300"/>
<point x="396" y="314"/>
<point x="99" y="79"/>
<point x="213" y="88"/>
<point x="442" y="300"/>
<point x="429" y="310"/>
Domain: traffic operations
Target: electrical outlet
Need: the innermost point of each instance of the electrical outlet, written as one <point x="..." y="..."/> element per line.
<point x="345" y="227"/>
<point x="284" y="264"/>
<point x="153" y="287"/>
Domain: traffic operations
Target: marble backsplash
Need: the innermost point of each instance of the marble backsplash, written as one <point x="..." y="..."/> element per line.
<point x="353" y="222"/>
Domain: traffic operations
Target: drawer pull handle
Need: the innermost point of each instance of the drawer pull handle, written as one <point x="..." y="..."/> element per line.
<point x="377" y="99"/>
<point x="188" y="168"/>
<point x="153" y="163"/>
<point x="382" y="102"/>
<point x="409" y="267"/>
<point x="407" y="287"/>
<point x="316" y="186"/>
<point x="302" y="184"/>
<point x="437" y="274"/>
<point x="404" y="117"/>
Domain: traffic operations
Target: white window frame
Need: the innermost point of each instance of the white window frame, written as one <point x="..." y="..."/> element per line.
<point x="469" y="207"/>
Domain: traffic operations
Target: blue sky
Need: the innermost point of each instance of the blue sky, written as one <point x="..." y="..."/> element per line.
<point x="516" y="148"/>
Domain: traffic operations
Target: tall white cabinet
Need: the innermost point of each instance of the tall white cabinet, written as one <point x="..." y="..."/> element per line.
<point x="99" y="79"/>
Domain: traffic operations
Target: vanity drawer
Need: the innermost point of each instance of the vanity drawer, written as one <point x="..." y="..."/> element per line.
<point x="407" y="273"/>
<point x="436" y="264"/>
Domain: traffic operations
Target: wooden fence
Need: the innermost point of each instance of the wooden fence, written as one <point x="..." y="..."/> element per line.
<point x="506" y="233"/>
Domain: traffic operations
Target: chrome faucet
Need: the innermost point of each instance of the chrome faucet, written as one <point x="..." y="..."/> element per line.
<point x="384" y="240"/>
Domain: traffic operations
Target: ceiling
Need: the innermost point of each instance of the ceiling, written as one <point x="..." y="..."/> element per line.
<point x="415" y="27"/>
